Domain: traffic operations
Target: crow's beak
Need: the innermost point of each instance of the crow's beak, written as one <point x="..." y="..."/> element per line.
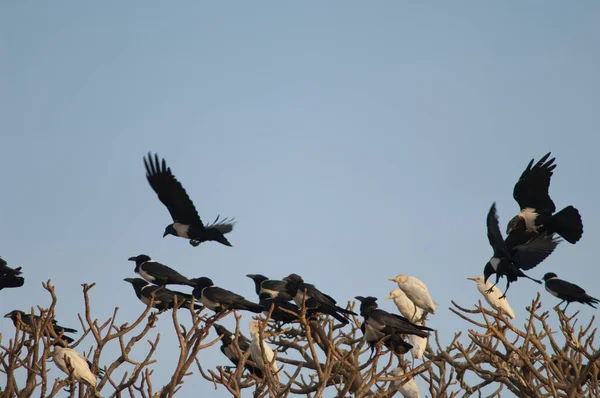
<point x="132" y="259"/>
<point x="130" y="280"/>
<point x="165" y="234"/>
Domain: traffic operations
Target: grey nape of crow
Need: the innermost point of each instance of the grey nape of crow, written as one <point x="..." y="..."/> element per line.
<point x="234" y="353"/>
<point x="27" y="323"/>
<point x="186" y="221"/>
<point x="9" y="277"/>
<point x="164" y="299"/>
<point x="219" y="300"/>
<point x="510" y="261"/>
<point x="567" y="291"/>
<point x="158" y="273"/>
<point x="271" y="288"/>
<point x="315" y="300"/>
<point x="537" y="213"/>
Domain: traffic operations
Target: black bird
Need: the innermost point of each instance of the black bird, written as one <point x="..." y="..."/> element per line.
<point x="537" y="208"/>
<point x="567" y="291"/>
<point x="9" y="277"/>
<point x="509" y="261"/>
<point x="219" y="300"/>
<point x="25" y="322"/>
<point x="278" y="314"/>
<point x="269" y="287"/>
<point x="186" y="221"/>
<point x="379" y="324"/>
<point x="164" y="299"/>
<point x="158" y="273"/>
<point x="228" y="348"/>
<point x="316" y="301"/>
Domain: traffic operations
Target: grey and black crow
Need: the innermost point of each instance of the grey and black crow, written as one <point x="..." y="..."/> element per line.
<point x="269" y="287"/>
<point x="380" y="325"/>
<point x="228" y="348"/>
<point x="220" y="300"/>
<point x="186" y="221"/>
<point x="164" y="299"/>
<point x="27" y="323"/>
<point x="509" y="261"/>
<point x="9" y="277"/>
<point x="158" y="273"/>
<point x="281" y="309"/>
<point x="567" y="291"/>
<point x="316" y="301"/>
<point x="537" y="208"/>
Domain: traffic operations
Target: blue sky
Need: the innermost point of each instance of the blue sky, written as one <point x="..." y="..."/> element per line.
<point x="352" y="142"/>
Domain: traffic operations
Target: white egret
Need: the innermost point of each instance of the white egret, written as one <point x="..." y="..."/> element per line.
<point x="416" y="291"/>
<point x="406" y="307"/>
<point x="260" y="352"/>
<point x="419" y="345"/>
<point x="493" y="298"/>
<point x="81" y="368"/>
<point x="410" y="389"/>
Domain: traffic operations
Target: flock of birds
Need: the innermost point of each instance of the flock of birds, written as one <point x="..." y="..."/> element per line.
<point x="532" y="236"/>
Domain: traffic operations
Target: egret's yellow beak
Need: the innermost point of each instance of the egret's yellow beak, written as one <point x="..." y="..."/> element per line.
<point x="389" y="297"/>
<point x="392" y="279"/>
<point x="473" y="279"/>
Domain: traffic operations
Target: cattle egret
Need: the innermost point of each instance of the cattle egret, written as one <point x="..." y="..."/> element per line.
<point x="416" y="291"/>
<point x="406" y="307"/>
<point x="567" y="291"/>
<point x="261" y="357"/>
<point x="493" y="298"/>
<point x="410" y="389"/>
<point x="77" y="362"/>
<point x="419" y="345"/>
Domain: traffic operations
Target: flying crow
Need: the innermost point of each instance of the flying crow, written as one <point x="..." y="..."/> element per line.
<point x="186" y="221"/>
<point x="379" y="324"/>
<point x="228" y="348"/>
<point x="164" y="299"/>
<point x="25" y="323"/>
<point x="537" y="208"/>
<point x="270" y="288"/>
<point x="158" y="273"/>
<point x="219" y="300"/>
<point x="9" y="276"/>
<point x="567" y="291"/>
<point x="315" y="300"/>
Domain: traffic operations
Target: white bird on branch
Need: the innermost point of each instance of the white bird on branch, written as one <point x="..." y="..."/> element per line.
<point x="407" y="308"/>
<point x="260" y="352"/>
<point x="410" y="389"/>
<point x="493" y="298"/>
<point x="67" y="359"/>
<point x="416" y="291"/>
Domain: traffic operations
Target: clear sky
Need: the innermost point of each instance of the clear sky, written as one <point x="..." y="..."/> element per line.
<point x="351" y="142"/>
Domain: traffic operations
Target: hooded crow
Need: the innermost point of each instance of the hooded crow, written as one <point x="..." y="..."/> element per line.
<point x="567" y="291"/>
<point x="379" y="324"/>
<point x="316" y="301"/>
<point x="186" y="221"/>
<point x="66" y="358"/>
<point x="27" y="323"/>
<point x="9" y="276"/>
<point x="219" y="300"/>
<point x="537" y="208"/>
<point x="280" y="308"/>
<point x="228" y="348"/>
<point x="509" y="261"/>
<point x="164" y="299"/>
<point x="269" y="287"/>
<point x="158" y="273"/>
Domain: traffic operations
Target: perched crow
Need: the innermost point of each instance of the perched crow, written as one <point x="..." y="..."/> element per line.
<point x="510" y="261"/>
<point x="278" y="305"/>
<point x="164" y="299"/>
<point x="316" y="301"/>
<point x="228" y="348"/>
<point x="25" y="322"/>
<point x="567" y="291"/>
<point x="379" y="324"/>
<point x="219" y="300"/>
<point x="158" y="273"/>
<point x="269" y="287"/>
<point x="186" y="221"/>
<point x="537" y="208"/>
<point x="9" y="276"/>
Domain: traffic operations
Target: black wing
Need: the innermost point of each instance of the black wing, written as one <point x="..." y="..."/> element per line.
<point x="530" y="254"/>
<point x="221" y="296"/>
<point x="532" y="188"/>
<point x="388" y="323"/>
<point x="494" y="234"/>
<point x="566" y="289"/>
<point x="170" y="191"/>
<point x="163" y="272"/>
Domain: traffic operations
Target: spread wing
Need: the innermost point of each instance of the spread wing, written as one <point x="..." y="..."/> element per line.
<point x="494" y="234"/>
<point x="530" y="254"/>
<point x="170" y="191"/>
<point x="532" y="188"/>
